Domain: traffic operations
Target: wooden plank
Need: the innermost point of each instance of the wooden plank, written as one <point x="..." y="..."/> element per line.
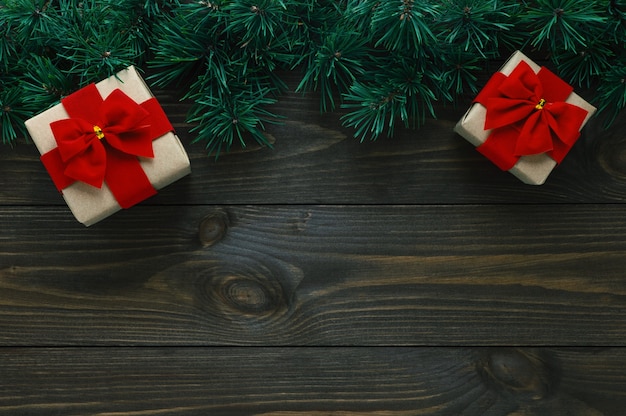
<point x="315" y="275"/>
<point x="311" y="381"/>
<point x="316" y="160"/>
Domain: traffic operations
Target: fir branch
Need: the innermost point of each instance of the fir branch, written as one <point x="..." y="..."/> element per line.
<point x="307" y="24"/>
<point x="153" y="9"/>
<point x="585" y="66"/>
<point x="44" y="84"/>
<point x="254" y="23"/>
<point x="206" y="14"/>
<point x="617" y="13"/>
<point x="94" y="46"/>
<point x="184" y="47"/>
<point x="474" y="25"/>
<point x="563" y="24"/>
<point x="8" y="48"/>
<point x="611" y="93"/>
<point x="230" y="53"/>
<point x="32" y="21"/>
<point x="338" y="62"/>
<point x="138" y="24"/>
<point x="403" y="25"/>
<point x="13" y="111"/>
<point x="458" y="69"/>
<point x="225" y="119"/>
<point x="373" y="109"/>
<point x="384" y="62"/>
<point x="51" y="48"/>
<point x="400" y="94"/>
<point x="98" y="56"/>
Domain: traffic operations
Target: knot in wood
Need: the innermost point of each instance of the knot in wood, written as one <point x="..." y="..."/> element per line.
<point x="247" y="296"/>
<point x="213" y="228"/>
<point x="525" y="375"/>
<point x="611" y="151"/>
<point x="248" y="288"/>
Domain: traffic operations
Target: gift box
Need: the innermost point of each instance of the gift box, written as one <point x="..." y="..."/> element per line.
<point x="108" y="146"/>
<point x="525" y="119"/>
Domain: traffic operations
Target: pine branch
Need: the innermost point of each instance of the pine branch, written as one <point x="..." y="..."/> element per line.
<point x="338" y="62"/>
<point x="31" y="21"/>
<point x="184" y="48"/>
<point x="141" y="16"/>
<point x="44" y="84"/>
<point x="458" y="73"/>
<point x="475" y="25"/>
<point x="611" y="94"/>
<point x="13" y="111"/>
<point x="563" y="24"/>
<point x="230" y="52"/>
<point x="403" y="25"/>
<point x="399" y="92"/>
<point x="384" y="63"/>
<point x="226" y="119"/>
<point x="586" y="65"/>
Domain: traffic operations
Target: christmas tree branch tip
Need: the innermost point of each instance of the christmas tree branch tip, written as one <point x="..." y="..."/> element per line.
<point x="381" y="64"/>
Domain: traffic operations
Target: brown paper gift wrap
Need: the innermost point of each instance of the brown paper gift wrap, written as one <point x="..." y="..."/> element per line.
<point x="530" y="169"/>
<point x="88" y="203"/>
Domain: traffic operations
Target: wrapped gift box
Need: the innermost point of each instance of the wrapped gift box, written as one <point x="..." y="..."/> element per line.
<point x="108" y="146"/>
<point x="525" y="120"/>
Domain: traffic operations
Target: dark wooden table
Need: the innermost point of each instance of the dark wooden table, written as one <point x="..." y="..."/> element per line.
<point x="407" y="276"/>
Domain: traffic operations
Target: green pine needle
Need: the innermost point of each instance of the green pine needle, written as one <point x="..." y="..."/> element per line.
<point x="563" y="24"/>
<point x="183" y="51"/>
<point x="457" y="75"/>
<point x="44" y="84"/>
<point x="402" y="24"/>
<point x="13" y="110"/>
<point x="375" y="108"/>
<point x="382" y="63"/>
<point x="581" y="67"/>
<point x="254" y="22"/>
<point x="474" y="25"/>
<point x="611" y="93"/>
<point x="337" y="64"/>
<point x="225" y="120"/>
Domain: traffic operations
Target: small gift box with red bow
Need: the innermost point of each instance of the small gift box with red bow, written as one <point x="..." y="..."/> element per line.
<point x="525" y="119"/>
<point x="108" y="146"/>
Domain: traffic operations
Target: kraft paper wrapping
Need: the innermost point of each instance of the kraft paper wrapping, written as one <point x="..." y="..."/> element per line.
<point x="90" y="204"/>
<point x="532" y="169"/>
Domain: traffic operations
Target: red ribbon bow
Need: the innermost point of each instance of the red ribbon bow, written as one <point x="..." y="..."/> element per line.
<point x="101" y="141"/>
<point x="121" y="122"/>
<point x="528" y="114"/>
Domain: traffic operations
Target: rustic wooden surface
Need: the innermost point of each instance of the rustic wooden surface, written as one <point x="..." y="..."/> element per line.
<point x="322" y="277"/>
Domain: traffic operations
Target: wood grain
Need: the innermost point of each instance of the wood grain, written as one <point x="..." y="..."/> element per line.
<point x="308" y="381"/>
<point x="315" y="275"/>
<point x="320" y="278"/>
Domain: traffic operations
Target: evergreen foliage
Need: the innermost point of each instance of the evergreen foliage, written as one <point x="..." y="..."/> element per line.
<point x="384" y="63"/>
<point x="48" y="49"/>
